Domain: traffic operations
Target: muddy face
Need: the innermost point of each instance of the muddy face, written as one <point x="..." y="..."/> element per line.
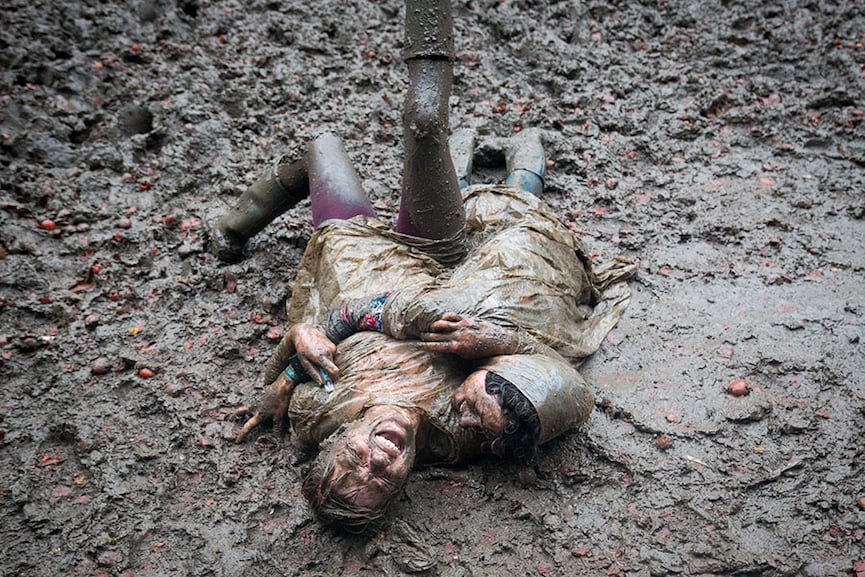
<point x="374" y="457"/>
<point x="477" y="408"/>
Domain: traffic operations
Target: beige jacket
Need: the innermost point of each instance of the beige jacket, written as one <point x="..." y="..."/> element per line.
<point x="525" y="270"/>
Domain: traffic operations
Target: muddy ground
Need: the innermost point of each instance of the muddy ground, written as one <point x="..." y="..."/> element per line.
<point x="720" y="143"/>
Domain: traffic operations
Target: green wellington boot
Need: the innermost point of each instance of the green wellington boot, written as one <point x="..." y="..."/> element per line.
<point x="270" y="196"/>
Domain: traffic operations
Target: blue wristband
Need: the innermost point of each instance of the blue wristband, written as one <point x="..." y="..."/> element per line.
<point x="290" y="373"/>
<point x="295" y="371"/>
<point x="297" y="374"/>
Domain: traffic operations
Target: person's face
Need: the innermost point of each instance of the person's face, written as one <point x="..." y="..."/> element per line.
<point x="477" y="408"/>
<point x="374" y="457"/>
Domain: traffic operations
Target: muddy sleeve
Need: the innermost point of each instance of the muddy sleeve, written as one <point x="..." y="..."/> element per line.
<point x="529" y="345"/>
<point x="408" y="313"/>
<point x="356" y="315"/>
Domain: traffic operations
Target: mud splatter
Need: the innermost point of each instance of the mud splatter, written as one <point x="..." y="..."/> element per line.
<point x="721" y="144"/>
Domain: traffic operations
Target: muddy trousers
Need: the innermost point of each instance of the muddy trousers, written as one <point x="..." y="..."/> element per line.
<point x="431" y="203"/>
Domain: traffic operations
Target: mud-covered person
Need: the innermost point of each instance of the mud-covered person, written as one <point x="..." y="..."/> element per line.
<point x="430" y="370"/>
<point x="397" y="401"/>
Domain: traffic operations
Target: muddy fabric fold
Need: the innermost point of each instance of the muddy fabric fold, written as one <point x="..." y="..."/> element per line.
<point x="525" y="270"/>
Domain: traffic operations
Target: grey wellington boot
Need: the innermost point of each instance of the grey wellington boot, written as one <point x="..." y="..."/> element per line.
<point x="462" y="147"/>
<point x="526" y="161"/>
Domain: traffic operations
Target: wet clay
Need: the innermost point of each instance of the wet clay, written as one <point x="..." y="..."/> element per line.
<point x="720" y="144"/>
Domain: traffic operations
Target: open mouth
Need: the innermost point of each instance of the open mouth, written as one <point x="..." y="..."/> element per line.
<point x="390" y="442"/>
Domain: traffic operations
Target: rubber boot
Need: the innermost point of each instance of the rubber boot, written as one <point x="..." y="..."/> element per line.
<point x="526" y="162"/>
<point x="462" y="145"/>
<point x="429" y="30"/>
<point x="335" y="190"/>
<point x="270" y="196"/>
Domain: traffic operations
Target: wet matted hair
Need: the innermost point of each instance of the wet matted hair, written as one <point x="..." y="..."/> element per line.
<point x="519" y="438"/>
<point x="317" y="488"/>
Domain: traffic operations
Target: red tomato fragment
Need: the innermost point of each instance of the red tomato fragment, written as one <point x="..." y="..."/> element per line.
<point x="739" y="388"/>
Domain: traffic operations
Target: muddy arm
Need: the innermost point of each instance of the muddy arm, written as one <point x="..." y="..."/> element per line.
<point x="473" y="339"/>
<point x="304" y="354"/>
<point x="440" y="332"/>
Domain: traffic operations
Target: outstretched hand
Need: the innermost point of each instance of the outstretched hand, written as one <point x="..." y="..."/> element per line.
<point x="273" y="406"/>
<point x="468" y="338"/>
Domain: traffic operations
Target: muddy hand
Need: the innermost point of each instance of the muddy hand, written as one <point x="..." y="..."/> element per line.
<point x="273" y="407"/>
<point x="316" y="353"/>
<point x="467" y="338"/>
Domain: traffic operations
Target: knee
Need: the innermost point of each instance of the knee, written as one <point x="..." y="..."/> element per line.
<point x="426" y="102"/>
<point x="425" y="117"/>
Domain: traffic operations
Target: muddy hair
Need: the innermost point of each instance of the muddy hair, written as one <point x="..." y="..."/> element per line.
<point x="519" y="438"/>
<point x="328" y="507"/>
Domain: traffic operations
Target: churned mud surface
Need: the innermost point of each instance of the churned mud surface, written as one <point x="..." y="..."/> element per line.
<point x="721" y="144"/>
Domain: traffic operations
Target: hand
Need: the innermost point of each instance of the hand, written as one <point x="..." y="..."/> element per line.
<point x="468" y="338"/>
<point x="273" y="406"/>
<point x="315" y="352"/>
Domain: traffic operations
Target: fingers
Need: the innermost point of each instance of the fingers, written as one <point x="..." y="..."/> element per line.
<point x="250" y="424"/>
<point x="279" y="415"/>
<point x="311" y="370"/>
<point x="442" y="326"/>
<point x="436" y="337"/>
<point x="326" y="362"/>
<point x="436" y="346"/>
<point x="320" y="368"/>
<point x="450" y="322"/>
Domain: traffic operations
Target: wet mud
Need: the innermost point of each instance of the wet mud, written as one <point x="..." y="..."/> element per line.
<point x="721" y="144"/>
